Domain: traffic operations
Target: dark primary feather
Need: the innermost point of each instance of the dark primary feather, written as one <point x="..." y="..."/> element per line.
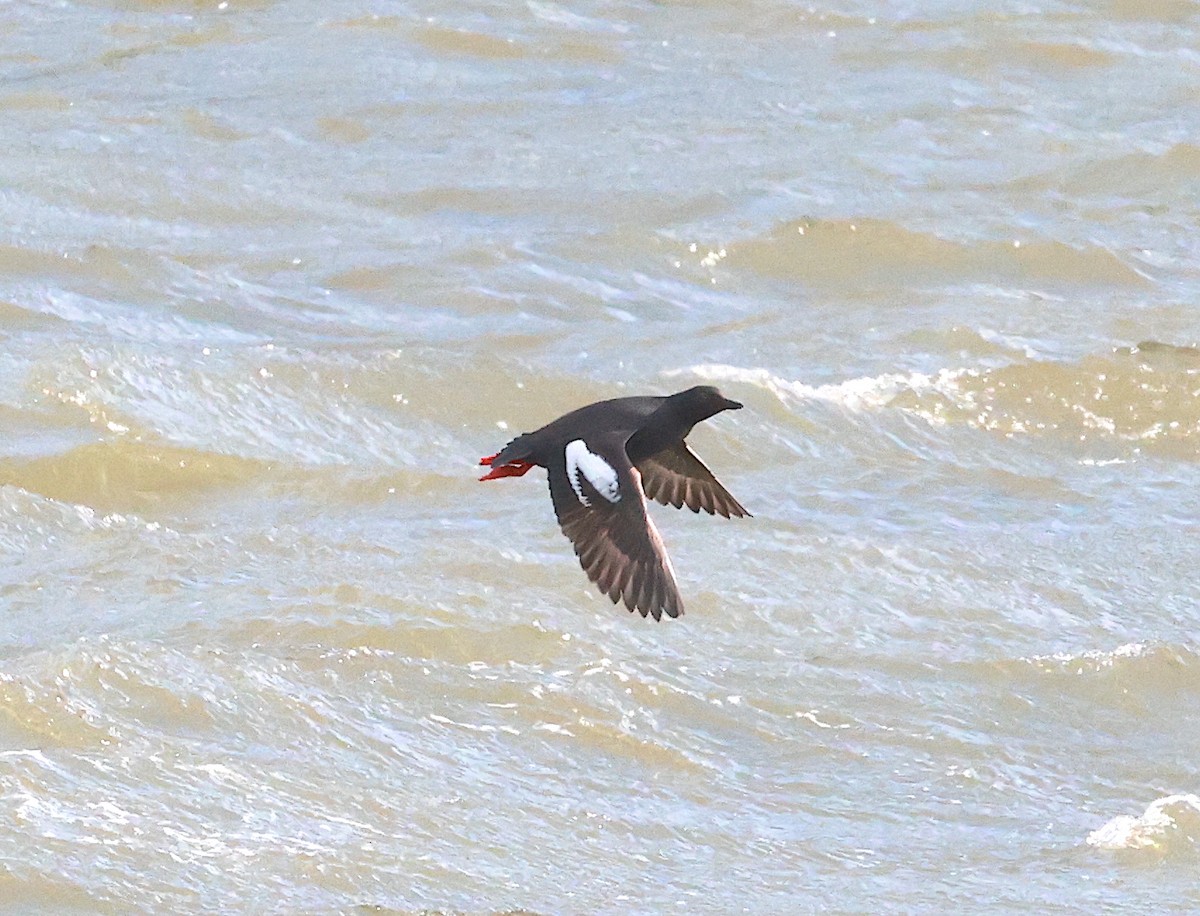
<point x="676" y="477"/>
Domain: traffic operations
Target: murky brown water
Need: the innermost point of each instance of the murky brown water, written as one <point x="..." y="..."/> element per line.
<point x="273" y="276"/>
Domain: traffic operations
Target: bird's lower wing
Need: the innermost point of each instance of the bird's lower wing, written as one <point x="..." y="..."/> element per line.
<point x="616" y="541"/>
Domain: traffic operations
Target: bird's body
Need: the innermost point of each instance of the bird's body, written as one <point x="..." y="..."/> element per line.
<point x="602" y="461"/>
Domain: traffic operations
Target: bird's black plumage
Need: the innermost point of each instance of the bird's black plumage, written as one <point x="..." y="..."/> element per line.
<point x="602" y="461"/>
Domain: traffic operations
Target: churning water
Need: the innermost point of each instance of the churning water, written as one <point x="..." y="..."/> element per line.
<point x="273" y="276"/>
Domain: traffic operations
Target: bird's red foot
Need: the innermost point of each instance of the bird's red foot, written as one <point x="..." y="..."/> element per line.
<point x="512" y="469"/>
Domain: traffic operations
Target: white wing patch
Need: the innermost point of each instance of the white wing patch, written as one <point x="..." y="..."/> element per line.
<point x="598" y="472"/>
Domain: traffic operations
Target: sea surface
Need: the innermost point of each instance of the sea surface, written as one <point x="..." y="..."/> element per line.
<point x="273" y="277"/>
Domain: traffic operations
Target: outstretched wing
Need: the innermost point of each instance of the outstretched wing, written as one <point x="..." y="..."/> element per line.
<point x="598" y="499"/>
<point x="676" y="477"/>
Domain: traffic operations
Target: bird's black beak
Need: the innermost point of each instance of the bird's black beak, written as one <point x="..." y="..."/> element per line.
<point x="732" y="405"/>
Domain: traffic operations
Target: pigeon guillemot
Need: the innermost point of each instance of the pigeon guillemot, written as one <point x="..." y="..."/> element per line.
<point x="600" y="460"/>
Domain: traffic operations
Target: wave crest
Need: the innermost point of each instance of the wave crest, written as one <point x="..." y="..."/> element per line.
<point x="1146" y="396"/>
<point x="1170" y="824"/>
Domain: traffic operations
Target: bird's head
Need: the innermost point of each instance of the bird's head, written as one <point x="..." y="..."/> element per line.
<point x="704" y="401"/>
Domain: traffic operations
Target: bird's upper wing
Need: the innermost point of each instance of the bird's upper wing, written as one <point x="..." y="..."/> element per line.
<point x="676" y="477"/>
<point x="598" y="499"/>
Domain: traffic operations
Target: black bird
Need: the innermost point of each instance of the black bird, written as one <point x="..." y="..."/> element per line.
<point x="603" y="460"/>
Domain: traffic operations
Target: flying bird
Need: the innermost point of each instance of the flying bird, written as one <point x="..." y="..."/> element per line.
<point x="602" y="461"/>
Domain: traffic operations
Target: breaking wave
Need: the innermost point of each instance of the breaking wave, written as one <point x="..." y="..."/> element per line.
<point x="1145" y="397"/>
<point x="1168" y="825"/>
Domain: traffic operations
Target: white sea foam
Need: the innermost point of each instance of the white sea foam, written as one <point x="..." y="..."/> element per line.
<point x="865" y="393"/>
<point x="1075" y="401"/>
<point x="1169" y="823"/>
<point x="1095" y="659"/>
